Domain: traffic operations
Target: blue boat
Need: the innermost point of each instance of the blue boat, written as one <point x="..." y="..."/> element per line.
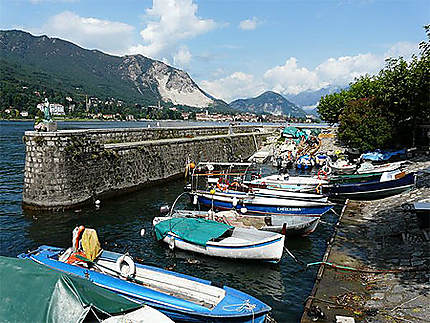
<point x="390" y="183"/>
<point x="181" y="297"/>
<point x="261" y="205"/>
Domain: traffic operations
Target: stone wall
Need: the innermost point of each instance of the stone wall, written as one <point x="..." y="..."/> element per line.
<point x="108" y="136"/>
<point x="67" y="168"/>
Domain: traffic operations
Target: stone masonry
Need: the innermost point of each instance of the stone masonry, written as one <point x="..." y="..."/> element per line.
<point x="67" y="168"/>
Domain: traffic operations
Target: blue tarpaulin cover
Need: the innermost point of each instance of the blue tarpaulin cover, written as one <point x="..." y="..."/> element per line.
<point x="198" y="231"/>
<point x="380" y="155"/>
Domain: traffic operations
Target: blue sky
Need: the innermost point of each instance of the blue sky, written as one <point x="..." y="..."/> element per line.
<point x="237" y="48"/>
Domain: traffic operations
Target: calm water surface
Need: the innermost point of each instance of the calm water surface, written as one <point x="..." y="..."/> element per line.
<point x="119" y="221"/>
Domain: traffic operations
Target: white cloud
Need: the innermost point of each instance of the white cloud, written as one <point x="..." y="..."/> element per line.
<point x="236" y="85"/>
<point x="172" y="22"/>
<point x="249" y="24"/>
<point x="342" y="70"/>
<point x="182" y="57"/>
<point x="109" y="36"/>
<point x="404" y="49"/>
<point x="291" y="78"/>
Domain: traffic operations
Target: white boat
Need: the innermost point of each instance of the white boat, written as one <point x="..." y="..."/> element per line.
<point x="367" y="168"/>
<point x="286" y="182"/>
<point x="268" y="200"/>
<point x="224" y="240"/>
<point x="145" y="314"/>
<point x="342" y="166"/>
<point x="285" y="224"/>
<point x="288" y="194"/>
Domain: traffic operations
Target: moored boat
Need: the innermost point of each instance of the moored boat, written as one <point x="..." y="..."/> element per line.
<point x="285" y="224"/>
<point x="181" y="297"/>
<point x="354" y="178"/>
<point x="286" y="182"/>
<point x="260" y="205"/>
<point x="390" y="183"/>
<point x="367" y="167"/>
<point x="342" y="166"/>
<point x="217" y="239"/>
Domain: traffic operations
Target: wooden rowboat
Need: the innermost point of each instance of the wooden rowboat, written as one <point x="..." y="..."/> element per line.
<point x="217" y="239"/>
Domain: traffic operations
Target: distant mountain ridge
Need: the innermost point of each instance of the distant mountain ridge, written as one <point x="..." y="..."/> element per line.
<point x="269" y="102"/>
<point x="311" y="98"/>
<point x="57" y="63"/>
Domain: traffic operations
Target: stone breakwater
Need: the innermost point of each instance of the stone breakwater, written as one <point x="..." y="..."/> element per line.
<point x="68" y="168"/>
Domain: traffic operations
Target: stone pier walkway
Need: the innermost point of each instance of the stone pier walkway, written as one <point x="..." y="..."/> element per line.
<point x="385" y="242"/>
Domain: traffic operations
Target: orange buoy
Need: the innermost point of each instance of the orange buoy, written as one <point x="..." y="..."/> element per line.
<point x="192" y="165"/>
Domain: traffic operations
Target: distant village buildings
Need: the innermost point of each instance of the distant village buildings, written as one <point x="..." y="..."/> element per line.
<point x="55" y="109"/>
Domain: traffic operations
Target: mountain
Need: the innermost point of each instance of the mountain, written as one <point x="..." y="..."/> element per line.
<point x="311" y="98"/>
<point x="268" y="102"/>
<point x="61" y="65"/>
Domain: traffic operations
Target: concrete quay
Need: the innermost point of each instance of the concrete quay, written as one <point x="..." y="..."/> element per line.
<point x="384" y="242"/>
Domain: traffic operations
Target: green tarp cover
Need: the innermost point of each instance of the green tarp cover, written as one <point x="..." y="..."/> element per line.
<point x="34" y="293"/>
<point x="294" y="132"/>
<point x="198" y="231"/>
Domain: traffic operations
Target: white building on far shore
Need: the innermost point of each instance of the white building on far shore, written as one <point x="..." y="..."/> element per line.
<point x="56" y="109"/>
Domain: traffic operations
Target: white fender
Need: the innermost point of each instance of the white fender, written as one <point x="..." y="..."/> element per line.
<point x="172" y="243"/>
<point x="130" y="263"/>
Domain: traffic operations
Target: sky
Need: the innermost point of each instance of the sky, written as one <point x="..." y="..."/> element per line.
<point x="238" y="48"/>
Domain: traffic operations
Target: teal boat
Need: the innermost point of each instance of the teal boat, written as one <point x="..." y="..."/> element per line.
<point x="354" y="178"/>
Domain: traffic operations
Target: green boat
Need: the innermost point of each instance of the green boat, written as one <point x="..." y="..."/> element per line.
<point x="354" y="178"/>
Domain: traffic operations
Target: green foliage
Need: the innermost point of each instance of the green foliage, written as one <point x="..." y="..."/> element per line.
<point x="331" y="106"/>
<point x="376" y="112"/>
<point x="364" y="125"/>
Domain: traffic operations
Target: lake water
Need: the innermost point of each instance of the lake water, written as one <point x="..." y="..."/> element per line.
<point x="284" y="286"/>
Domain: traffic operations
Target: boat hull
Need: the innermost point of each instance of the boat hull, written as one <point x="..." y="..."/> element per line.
<point x="371" y="190"/>
<point x="269" y="250"/>
<point x="221" y="203"/>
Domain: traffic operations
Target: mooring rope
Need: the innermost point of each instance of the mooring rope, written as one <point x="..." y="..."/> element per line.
<point x="245" y="306"/>
<point x="349" y="268"/>
<point x="365" y="270"/>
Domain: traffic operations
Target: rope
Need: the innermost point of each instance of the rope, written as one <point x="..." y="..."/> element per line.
<point x="246" y="306"/>
<point x="369" y="271"/>
<point x="294" y="257"/>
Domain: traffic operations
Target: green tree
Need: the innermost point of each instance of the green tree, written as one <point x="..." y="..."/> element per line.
<point x="388" y="105"/>
<point x="364" y="125"/>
